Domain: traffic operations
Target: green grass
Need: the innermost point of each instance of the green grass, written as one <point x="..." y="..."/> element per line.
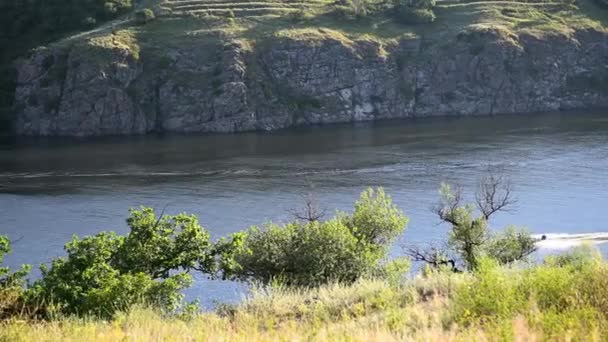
<point x="562" y="300"/>
<point x="268" y="20"/>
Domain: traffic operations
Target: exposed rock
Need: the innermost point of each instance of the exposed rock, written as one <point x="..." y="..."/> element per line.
<point x="294" y="81"/>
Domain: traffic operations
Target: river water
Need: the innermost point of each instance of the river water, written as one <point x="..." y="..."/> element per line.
<point x="52" y="189"/>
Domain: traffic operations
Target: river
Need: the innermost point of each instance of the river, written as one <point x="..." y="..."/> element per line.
<point x="51" y="189"/>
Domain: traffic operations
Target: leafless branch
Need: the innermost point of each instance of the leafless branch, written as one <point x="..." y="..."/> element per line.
<point x="432" y="255"/>
<point x="311" y="211"/>
<point x="494" y="194"/>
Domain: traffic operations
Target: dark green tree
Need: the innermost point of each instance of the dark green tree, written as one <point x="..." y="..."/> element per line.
<point x="310" y="252"/>
<point x="107" y="272"/>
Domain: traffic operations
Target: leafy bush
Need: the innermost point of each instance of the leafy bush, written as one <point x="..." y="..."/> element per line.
<point x="11" y="283"/>
<point x="574" y="282"/>
<point x="415" y="11"/>
<point x="357" y="9"/>
<point x="301" y="14"/>
<point x="312" y="253"/>
<point x="491" y="293"/>
<point x="469" y="236"/>
<point x="144" y="16"/>
<point x="106" y="273"/>
<point x="511" y="245"/>
<point x="415" y="16"/>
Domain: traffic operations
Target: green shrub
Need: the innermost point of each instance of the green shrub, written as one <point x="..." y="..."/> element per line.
<point x="302" y="14"/>
<point x="415" y="11"/>
<point x="470" y="237"/>
<point x="305" y="253"/>
<point x="577" y="257"/>
<point x="492" y="293"/>
<point x="144" y="16"/>
<point x="415" y="16"/>
<point x="107" y="273"/>
<point x="548" y="295"/>
<point x="11" y="283"/>
<point x="511" y="245"/>
<point x="357" y="9"/>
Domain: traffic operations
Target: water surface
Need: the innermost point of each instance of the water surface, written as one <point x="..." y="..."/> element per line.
<point x="52" y="189"/>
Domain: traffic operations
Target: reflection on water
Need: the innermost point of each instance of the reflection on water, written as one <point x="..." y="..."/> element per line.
<point x="51" y="189"/>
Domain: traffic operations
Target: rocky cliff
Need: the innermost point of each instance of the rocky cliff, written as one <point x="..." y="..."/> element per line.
<point x="317" y="76"/>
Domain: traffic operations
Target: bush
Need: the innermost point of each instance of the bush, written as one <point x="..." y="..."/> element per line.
<point x="415" y="11"/>
<point x="144" y="16"/>
<point x="312" y="253"/>
<point x="573" y="282"/>
<point x="491" y="293"/>
<point x="107" y="273"/>
<point x="415" y="16"/>
<point x="357" y="9"/>
<point x="302" y="14"/>
<point x="11" y="283"/>
<point x="511" y="245"/>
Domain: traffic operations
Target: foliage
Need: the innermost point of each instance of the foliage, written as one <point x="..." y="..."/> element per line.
<point x="309" y="253"/>
<point x="469" y="234"/>
<point x="498" y="303"/>
<point x="415" y="16"/>
<point x="357" y="9"/>
<point x="11" y="283"/>
<point x="27" y="24"/>
<point x="577" y="285"/>
<point x="106" y="273"/>
<point x="22" y="17"/>
<point x="415" y="11"/>
<point x="492" y="292"/>
<point x="512" y="244"/>
<point x="144" y="16"/>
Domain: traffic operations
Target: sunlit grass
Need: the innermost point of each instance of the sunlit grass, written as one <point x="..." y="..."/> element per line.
<point x="556" y="301"/>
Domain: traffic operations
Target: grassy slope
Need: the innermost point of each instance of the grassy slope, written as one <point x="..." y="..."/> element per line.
<point x="179" y="29"/>
<point x="439" y="307"/>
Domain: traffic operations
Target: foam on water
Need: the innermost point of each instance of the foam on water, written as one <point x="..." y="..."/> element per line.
<point x="564" y="240"/>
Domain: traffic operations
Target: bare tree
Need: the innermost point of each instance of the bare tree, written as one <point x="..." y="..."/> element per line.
<point x="494" y="194"/>
<point x="311" y="211"/>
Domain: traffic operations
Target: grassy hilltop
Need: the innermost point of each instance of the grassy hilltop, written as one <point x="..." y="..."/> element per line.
<point x="187" y="21"/>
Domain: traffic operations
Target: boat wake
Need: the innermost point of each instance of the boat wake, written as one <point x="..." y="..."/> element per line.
<point x="564" y="241"/>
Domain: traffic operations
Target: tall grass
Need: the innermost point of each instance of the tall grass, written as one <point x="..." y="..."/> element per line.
<point x="564" y="299"/>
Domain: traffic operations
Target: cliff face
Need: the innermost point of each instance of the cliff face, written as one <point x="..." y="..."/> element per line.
<point x="315" y="77"/>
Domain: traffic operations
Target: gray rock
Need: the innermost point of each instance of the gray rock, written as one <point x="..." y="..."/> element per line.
<point x="69" y="91"/>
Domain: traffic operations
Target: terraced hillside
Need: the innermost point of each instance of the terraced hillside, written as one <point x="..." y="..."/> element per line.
<point x="241" y="8"/>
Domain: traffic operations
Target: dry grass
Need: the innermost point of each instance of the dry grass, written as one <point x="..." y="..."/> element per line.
<point x="369" y="310"/>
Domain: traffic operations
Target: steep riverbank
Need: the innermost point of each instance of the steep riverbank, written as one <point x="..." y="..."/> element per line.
<point x="203" y="77"/>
